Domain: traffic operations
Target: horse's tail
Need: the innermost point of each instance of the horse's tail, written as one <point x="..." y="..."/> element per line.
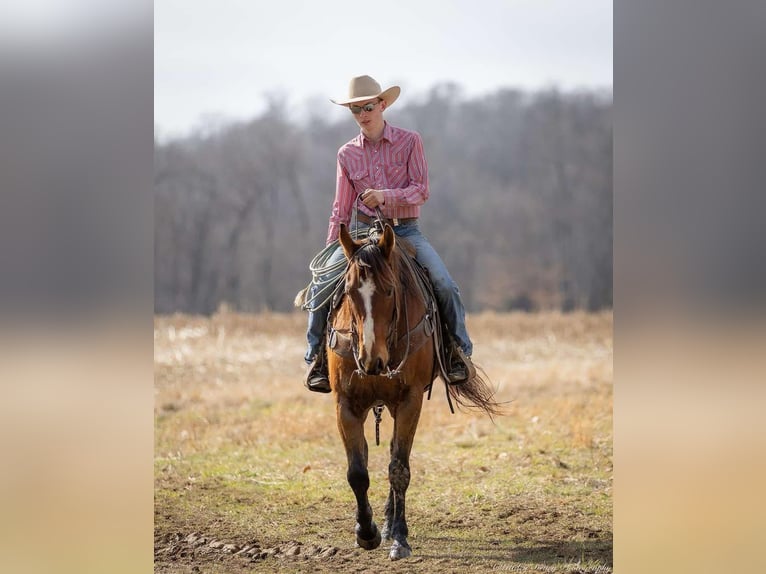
<point x="476" y="393"/>
<point x="300" y="298"/>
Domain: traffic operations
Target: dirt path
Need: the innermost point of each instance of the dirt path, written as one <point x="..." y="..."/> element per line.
<point x="250" y="473"/>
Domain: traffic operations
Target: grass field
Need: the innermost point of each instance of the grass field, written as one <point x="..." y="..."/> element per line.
<point x="250" y="473"/>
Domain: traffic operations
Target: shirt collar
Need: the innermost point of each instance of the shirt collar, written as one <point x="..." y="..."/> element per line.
<point x="387" y="135"/>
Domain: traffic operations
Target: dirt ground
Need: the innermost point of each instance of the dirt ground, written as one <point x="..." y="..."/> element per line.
<point x="250" y="473"/>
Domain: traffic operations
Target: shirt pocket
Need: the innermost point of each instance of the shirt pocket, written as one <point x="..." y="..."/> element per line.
<point x="396" y="173"/>
<point x="361" y="179"/>
<point x="400" y="157"/>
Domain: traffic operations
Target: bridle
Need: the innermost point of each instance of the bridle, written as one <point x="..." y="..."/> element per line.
<point x="376" y="231"/>
<point x="392" y="338"/>
<point x="408" y="275"/>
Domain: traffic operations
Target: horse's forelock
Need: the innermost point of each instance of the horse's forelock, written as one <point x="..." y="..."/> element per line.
<point x="371" y="257"/>
<point x="389" y="272"/>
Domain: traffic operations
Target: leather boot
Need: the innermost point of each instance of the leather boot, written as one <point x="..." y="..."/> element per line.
<point x="461" y="367"/>
<point x="317" y="379"/>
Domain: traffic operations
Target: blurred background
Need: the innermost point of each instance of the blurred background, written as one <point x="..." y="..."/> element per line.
<point x="513" y="100"/>
<point x="95" y="191"/>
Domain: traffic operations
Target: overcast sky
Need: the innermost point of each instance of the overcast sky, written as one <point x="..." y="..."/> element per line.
<point x="223" y="57"/>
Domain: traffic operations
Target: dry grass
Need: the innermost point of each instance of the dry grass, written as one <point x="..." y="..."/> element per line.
<point x="245" y="456"/>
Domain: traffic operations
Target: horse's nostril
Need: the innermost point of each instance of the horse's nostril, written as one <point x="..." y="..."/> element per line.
<point x="379" y="365"/>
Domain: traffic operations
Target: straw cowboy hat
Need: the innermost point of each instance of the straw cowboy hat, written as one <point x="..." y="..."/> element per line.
<point x="362" y="88"/>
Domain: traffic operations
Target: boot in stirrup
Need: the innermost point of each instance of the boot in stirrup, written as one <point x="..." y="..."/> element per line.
<point x="317" y="379"/>
<point x="461" y="367"/>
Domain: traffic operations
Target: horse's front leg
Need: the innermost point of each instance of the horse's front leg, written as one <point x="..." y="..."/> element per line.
<point x="351" y="429"/>
<point x="405" y="425"/>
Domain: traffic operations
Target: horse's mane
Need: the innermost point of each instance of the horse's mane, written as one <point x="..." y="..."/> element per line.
<point x="396" y="275"/>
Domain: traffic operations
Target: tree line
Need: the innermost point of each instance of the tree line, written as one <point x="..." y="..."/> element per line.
<point x="520" y="206"/>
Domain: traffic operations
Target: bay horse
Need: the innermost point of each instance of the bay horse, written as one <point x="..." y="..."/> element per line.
<point x="382" y="321"/>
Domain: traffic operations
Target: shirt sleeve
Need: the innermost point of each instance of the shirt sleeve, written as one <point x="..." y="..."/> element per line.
<point x="416" y="193"/>
<point x="342" y="204"/>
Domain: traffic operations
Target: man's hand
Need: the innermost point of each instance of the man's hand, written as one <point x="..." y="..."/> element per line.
<point x="373" y="197"/>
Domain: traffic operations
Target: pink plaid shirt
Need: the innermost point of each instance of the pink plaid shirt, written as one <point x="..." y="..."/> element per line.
<point x="396" y="165"/>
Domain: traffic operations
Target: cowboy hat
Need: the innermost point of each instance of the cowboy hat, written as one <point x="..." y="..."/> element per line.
<point x="362" y="88"/>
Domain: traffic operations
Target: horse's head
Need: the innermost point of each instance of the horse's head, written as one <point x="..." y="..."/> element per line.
<point x="371" y="288"/>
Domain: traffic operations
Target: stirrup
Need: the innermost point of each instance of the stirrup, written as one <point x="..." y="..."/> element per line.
<point x="317" y="379"/>
<point x="462" y="369"/>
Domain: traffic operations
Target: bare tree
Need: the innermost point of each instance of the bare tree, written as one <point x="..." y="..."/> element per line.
<point x="520" y="206"/>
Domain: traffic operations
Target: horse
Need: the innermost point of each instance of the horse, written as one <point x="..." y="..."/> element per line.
<point x="382" y="320"/>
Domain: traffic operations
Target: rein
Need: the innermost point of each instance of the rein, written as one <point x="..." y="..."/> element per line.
<point x="392" y="340"/>
<point x="410" y="279"/>
<point x="401" y="298"/>
<point x="401" y="301"/>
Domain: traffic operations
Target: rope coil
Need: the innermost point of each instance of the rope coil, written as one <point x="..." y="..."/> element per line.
<point x="324" y="276"/>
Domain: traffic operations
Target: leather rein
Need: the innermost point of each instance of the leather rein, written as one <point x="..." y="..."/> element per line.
<point x="345" y="342"/>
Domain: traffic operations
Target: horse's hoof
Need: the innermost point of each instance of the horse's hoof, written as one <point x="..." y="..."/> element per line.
<point x="399" y="551"/>
<point x="370" y="544"/>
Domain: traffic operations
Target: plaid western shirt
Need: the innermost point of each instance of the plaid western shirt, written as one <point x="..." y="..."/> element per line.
<point x="395" y="165"/>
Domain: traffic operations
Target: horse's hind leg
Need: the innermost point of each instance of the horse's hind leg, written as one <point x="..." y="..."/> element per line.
<point x="405" y="425"/>
<point x="352" y="432"/>
<point x="389" y="508"/>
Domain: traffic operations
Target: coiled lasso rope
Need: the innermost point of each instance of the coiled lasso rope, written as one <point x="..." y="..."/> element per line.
<point x="325" y="277"/>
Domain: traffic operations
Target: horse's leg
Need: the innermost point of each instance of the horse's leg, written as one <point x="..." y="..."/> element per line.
<point x="389" y="508"/>
<point x="405" y="425"/>
<point x="351" y="429"/>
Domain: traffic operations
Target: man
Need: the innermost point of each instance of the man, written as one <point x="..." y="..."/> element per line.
<point x="385" y="167"/>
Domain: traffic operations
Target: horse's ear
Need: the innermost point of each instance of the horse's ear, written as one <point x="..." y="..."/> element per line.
<point x="347" y="242"/>
<point x="387" y="242"/>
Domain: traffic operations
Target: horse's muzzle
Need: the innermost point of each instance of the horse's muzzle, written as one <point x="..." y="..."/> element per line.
<point x="373" y="367"/>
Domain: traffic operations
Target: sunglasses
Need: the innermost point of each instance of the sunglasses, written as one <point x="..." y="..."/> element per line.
<point x="356" y="110"/>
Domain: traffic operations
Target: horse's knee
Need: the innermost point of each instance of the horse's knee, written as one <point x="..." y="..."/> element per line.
<point x="358" y="477"/>
<point x="398" y="476"/>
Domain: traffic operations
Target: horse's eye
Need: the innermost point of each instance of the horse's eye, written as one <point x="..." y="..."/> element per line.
<point x="390" y="292"/>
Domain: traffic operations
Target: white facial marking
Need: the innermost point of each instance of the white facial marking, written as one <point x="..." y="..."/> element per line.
<point x="366" y="290"/>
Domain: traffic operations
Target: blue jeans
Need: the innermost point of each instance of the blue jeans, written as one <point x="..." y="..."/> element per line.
<point x="446" y="291"/>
